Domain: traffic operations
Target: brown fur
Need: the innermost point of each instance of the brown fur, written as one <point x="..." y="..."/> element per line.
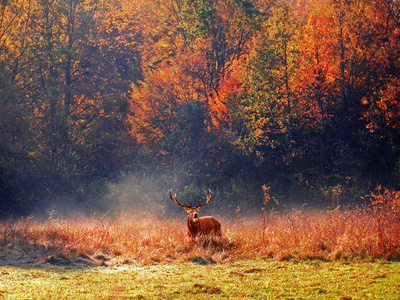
<point x="203" y="225"/>
<point x="196" y="225"/>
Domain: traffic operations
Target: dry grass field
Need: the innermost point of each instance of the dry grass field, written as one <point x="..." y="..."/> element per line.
<point x="367" y="233"/>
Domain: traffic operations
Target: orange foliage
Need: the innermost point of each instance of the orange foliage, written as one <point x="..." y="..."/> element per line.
<point x="386" y="111"/>
<point x="155" y="100"/>
<point x="218" y="104"/>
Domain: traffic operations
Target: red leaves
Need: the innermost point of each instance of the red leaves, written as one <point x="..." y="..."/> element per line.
<point x="387" y="201"/>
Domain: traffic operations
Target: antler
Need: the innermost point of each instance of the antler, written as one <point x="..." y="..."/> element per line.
<point x="173" y="198"/>
<point x="206" y="197"/>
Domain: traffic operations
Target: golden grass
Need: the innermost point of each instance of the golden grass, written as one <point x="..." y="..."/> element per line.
<point x="363" y="233"/>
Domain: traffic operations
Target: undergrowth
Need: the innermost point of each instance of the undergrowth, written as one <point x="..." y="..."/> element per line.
<point x="368" y="232"/>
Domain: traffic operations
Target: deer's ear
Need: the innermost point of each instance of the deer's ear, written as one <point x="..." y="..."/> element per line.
<point x="186" y="209"/>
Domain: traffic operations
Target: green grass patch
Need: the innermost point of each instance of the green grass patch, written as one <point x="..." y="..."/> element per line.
<point x="244" y="279"/>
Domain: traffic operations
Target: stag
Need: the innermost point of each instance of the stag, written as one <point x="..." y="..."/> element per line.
<point x="195" y="225"/>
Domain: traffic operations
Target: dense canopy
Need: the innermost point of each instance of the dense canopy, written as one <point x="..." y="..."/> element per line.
<point x="303" y="96"/>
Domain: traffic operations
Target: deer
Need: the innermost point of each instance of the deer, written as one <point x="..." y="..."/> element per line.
<point x="197" y="226"/>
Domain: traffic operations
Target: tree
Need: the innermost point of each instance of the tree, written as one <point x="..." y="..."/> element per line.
<point x="218" y="32"/>
<point x="267" y="109"/>
<point x="17" y="176"/>
<point x="382" y="102"/>
<point x="79" y="107"/>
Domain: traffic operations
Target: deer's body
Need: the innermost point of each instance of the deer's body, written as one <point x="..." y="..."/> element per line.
<point x="196" y="225"/>
<point x="204" y="226"/>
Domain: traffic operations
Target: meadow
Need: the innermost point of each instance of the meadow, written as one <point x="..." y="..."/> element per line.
<point x="341" y="251"/>
<point x="244" y="279"/>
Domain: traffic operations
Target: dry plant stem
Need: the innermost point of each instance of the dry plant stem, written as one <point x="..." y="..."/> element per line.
<point x="105" y="229"/>
<point x="266" y="199"/>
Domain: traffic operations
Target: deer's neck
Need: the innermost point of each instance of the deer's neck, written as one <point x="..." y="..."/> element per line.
<point x="193" y="227"/>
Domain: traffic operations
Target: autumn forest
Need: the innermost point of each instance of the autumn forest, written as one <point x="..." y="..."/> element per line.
<point x="302" y="96"/>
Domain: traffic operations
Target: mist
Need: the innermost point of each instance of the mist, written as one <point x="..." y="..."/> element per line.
<point x="134" y="194"/>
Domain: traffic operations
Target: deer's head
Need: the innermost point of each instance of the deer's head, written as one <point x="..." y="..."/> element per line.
<point x="192" y="211"/>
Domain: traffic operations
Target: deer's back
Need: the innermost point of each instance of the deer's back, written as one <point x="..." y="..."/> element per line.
<point x="210" y="224"/>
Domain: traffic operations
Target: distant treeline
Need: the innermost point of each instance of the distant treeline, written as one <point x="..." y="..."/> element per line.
<point x="302" y="96"/>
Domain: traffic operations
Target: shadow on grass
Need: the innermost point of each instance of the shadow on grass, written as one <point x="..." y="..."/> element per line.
<point x="25" y="255"/>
